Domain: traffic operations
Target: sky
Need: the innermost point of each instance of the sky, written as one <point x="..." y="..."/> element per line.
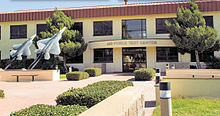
<point x="14" y="5"/>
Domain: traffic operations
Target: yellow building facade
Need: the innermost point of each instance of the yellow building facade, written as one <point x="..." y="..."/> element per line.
<point x="114" y="41"/>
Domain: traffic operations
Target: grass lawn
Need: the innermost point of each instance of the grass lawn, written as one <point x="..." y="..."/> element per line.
<point x="193" y="107"/>
<point x="62" y="76"/>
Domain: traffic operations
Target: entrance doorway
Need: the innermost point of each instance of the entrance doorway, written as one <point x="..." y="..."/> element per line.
<point x="133" y="59"/>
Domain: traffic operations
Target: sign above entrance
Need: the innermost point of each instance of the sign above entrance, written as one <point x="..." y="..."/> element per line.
<point x="131" y="43"/>
<point x="127" y="43"/>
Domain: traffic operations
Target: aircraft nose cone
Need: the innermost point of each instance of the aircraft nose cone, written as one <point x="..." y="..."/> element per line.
<point x="62" y="30"/>
<point x="32" y="37"/>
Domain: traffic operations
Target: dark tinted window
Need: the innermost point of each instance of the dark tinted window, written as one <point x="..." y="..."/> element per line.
<point x="134" y="29"/>
<point x="167" y="54"/>
<point x="102" y="28"/>
<point x="78" y="26"/>
<point x="209" y="21"/>
<point x="41" y="28"/>
<point x="202" y="56"/>
<point x="161" y="27"/>
<point x="103" y="55"/>
<point x="77" y="59"/>
<point x="18" y="31"/>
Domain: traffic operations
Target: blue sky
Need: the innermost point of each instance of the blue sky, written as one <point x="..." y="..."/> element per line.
<point x="13" y="5"/>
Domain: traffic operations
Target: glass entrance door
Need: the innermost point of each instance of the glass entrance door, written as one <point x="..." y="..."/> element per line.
<point x="133" y="59"/>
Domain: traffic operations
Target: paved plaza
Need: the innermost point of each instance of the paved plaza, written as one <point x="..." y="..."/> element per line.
<point x="20" y="95"/>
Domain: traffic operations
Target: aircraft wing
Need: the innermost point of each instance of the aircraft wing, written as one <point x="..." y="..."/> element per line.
<point x="55" y="49"/>
<point x="42" y="43"/>
<point x="16" y="46"/>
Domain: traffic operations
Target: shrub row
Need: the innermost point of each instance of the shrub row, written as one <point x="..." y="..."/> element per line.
<point x="50" y="110"/>
<point x="75" y="76"/>
<point x="93" y="72"/>
<point x="91" y="94"/>
<point x="89" y="72"/>
<point x="144" y="74"/>
<point x="2" y="94"/>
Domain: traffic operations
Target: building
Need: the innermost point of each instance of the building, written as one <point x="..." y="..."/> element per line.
<point x="121" y="38"/>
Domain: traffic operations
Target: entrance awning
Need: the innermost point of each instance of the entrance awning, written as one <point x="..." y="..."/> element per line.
<point x="150" y="42"/>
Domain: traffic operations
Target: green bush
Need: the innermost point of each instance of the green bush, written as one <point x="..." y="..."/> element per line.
<point x="93" y="72"/>
<point x="2" y="94"/>
<point x="91" y="94"/>
<point x="144" y="74"/>
<point x="50" y="110"/>
<point x="77" y="75"/>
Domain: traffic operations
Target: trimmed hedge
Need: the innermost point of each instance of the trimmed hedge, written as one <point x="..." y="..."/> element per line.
<point x="144" y="74"/>
<point x="2" y="94"/>
<point x="93" y="72"/>
<point x="50" y="110"/>
<point x="91" y="94"/>
<point x="77" y="75"/>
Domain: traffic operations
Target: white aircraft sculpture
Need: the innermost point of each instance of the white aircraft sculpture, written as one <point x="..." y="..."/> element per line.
<point x="47" y="47"/>
<point x="50" y="45"/>
<point x="20" y="50"/>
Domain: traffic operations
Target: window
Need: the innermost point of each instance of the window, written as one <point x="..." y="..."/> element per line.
<point x="78" y="26"/>
<point x="167" y="54"/>
<point x="103" y="55"/>
<point x="41" y="28"/>
<point x="77" y="59"/>
<point x="161" y="27"/>
<point x="209" y="21"/>
<point x="102" y="28"/>
<point x="18" y="31"/>
<point x="202" y="56"/>
<point x="134" y="29"/>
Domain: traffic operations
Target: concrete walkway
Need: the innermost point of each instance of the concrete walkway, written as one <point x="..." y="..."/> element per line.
<point x="21" y="95"/>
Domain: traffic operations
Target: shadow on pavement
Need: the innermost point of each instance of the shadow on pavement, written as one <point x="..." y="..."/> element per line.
<point x="132" y="79"/>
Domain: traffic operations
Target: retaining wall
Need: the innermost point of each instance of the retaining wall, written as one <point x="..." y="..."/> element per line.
<point x="43" y="75"/>
<point x="127" y="102"/>
<point x="194" y="82"/>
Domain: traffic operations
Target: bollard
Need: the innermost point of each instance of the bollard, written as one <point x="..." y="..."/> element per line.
<point x="167" y="66"/>
<point x="157" y="90"/>
<point x="173" y="66"/>
<point x="157" y="72"/>
<point x="165" y="99"/>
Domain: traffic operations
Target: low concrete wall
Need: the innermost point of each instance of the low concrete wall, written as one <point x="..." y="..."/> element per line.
<point x="127" y="102"/>
<point x="188" y="73"/>
<point x="43" y="75"/>
<point x="204" y="83"/>
<point x="194" y="87"/>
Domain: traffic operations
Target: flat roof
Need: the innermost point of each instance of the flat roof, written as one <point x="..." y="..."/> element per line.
<point x="109" y="10"/>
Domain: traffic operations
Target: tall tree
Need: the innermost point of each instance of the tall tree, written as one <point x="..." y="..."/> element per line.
<point x="72" y="44"/>
<point x="190" y="33"/>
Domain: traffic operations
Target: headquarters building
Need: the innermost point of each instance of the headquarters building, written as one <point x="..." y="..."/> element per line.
<point x="121" y="38"/>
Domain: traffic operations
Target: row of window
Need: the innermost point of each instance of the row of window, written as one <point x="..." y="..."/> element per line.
<point x="164" y="54"/>
<point x="20" y="31"/>
<point x="131" y="29"/>
<point x="136" y="28"/>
